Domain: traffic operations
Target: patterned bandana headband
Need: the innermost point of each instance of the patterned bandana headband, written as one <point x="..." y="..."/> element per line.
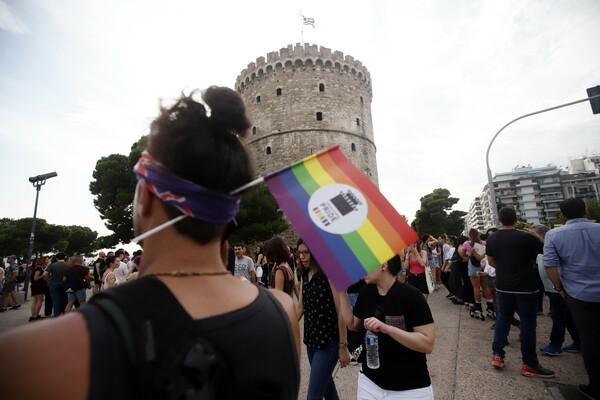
<point x="188" y="197"/>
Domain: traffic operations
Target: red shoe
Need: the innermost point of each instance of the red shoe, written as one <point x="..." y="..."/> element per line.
<point x="498" y="362"/>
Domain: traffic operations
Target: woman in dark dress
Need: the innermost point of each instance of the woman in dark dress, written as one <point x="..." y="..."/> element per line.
<point x="38" y="287"/>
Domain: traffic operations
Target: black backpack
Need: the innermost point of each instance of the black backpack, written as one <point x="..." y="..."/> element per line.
<point x="22" y="274"/>
<point x="74" y="280"/>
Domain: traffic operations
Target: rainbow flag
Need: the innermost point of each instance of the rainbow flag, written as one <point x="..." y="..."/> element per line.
<point x="348" y="225"/>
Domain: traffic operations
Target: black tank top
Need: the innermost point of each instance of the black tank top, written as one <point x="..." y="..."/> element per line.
<point x="252" y="371"/>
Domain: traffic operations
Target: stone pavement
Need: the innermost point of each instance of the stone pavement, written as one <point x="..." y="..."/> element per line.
<point x="460" y="365"/>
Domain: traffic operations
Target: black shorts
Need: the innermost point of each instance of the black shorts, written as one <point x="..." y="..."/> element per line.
<point x="419" y="281"/>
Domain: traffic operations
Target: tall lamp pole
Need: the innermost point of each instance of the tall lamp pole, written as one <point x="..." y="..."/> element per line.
<point x="593" y="95"/>
<point x="37" y="182"/>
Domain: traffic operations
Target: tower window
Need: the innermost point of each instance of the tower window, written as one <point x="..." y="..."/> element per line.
<point x="278" y="91"/>
<point x="321" y="87"/>
<point x="268" y="150"/>
<point x="258" y="99"/>
<point x="358" y="121"/>
<point x="319" y="116"/>
<point x="361" y="100"/>
<point x="254" y="130"/>
<point x="353" y="147"/>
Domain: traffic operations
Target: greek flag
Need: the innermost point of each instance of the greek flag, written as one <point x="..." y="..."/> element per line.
<point x="309" y="21"/>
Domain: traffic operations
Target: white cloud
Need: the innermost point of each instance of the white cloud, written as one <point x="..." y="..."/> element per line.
<point x="9" y="21"/>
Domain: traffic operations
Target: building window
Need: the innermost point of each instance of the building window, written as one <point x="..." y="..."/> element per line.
<point x="361" y="100"/>
<point x="268" y="150"/>
<point x="254" y="130"/>
<point x="321" y="87"/>
<point x="278" y="91"/>
<point x="258" y="99"/>
<point x="353" y="147"/>
<point x="357" y="121"/>
<point x="319" y="116"/>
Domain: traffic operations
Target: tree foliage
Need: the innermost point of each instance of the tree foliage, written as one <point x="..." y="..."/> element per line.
<point x="436" y="217"/>
<point x="259" y="218"/>
<point x="114" y="187"/>
<point x="49" y="238"/>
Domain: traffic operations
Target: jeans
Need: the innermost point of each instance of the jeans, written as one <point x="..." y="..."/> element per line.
<point x="352" y="297"/>
<point x="59" y="297"/>
<point x="322" y="362"/>
<point x="561" y="319"/>
<point x="587" y="318"/>
<point x="526" y="306"/>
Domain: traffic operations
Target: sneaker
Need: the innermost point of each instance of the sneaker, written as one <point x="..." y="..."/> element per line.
<point x="498" y="362"/>
<point x="572" y="348"/>
<point x="551" y="351"/>
<point x="538" y="372"/>
<point x="587" y="392"/>
<point x="2" y="309"/>
<point x="15" y="307"/>
<point x="458" y="302"/>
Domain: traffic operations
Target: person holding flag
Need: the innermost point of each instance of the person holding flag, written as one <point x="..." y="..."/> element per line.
<point x="400" y="316"/>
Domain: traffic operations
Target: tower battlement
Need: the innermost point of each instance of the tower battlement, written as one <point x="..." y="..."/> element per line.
<point x="290" y="58"/>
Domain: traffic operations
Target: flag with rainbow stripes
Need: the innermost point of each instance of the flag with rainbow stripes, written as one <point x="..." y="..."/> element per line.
<point x="348" y="225"/>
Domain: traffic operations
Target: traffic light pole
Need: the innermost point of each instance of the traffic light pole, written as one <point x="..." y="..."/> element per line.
<point x="487" y="154"/>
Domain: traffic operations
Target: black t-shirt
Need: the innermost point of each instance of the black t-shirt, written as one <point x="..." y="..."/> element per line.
<point x="399" y="367"/>
<point x="514" y="253"/>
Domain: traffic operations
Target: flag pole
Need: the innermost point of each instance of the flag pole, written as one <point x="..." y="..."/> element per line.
<point x="301" y="28"/>
<point x="247" y="185"/>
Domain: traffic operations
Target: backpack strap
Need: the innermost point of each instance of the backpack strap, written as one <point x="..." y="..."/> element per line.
<point x="168" y="356"/>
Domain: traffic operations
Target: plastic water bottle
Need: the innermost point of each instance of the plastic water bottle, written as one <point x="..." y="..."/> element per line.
<point x="372" y="345"/>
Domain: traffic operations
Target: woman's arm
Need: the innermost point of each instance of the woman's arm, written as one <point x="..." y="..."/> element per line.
<point x="112" y="281"/>
<point x="300" y="305"/>
<point x="343" y="352"/>
<point x="37" y="275"/>
<point x="351" y="321"/>
<point x="421" y="340"/>
<point x="422" y="258"/>
<point x="279" y="279"/>
<point x="476" y="254"/>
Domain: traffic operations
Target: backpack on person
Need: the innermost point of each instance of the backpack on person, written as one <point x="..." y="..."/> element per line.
<point x="74" y="280"/>
<point x="21" y="276"/>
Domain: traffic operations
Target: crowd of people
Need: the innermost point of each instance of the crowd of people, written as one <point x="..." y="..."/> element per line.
<point x="181" y="319"/>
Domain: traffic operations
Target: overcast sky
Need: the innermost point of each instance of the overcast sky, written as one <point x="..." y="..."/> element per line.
<point x="82" y="79"/>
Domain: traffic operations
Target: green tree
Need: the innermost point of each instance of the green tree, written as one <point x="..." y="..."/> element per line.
<point x="114" y="187"/>
<point x="81" y="240"/>
<point x="259" y="218"/>
<point x="14" y="236"/>
<point x="593" y="209"/>
<point x="435" y="216"/>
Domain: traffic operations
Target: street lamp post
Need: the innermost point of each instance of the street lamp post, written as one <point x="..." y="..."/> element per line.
<point x="487" y="154"/>
<point x="37" y="182"/>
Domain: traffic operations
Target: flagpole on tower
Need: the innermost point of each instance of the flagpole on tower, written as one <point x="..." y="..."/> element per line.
<point x="301" y="28"/>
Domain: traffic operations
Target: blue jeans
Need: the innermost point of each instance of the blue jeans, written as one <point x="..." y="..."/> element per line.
<point x="322" y="362"/>
<point x="352" y="297"/>
<point x="526" y="306"/>
<point x="59" y="297"/>
<point x="561" y="319"/>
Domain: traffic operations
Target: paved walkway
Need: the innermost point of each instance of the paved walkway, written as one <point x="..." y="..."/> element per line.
<point x="460" y="365"/>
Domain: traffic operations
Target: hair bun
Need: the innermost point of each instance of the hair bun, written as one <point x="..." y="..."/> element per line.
<point x="228" y="111"/>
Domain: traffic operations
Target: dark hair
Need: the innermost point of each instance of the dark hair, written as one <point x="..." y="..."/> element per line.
<point x="507" y="215"/>
<point x="573" y="208"/>
<point x="394" y="265"/>
<point x="313" y="260"/>
<point x="205" y="150"/>
<point x="61" y="256"/>
<point x="493" y="229"/>
<point x="242" y="245"/>
<point x="109" y="260"/>
<point x="461" y="239"/>
<point x="119" y="252"/>
<point x="276" y="250"/>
